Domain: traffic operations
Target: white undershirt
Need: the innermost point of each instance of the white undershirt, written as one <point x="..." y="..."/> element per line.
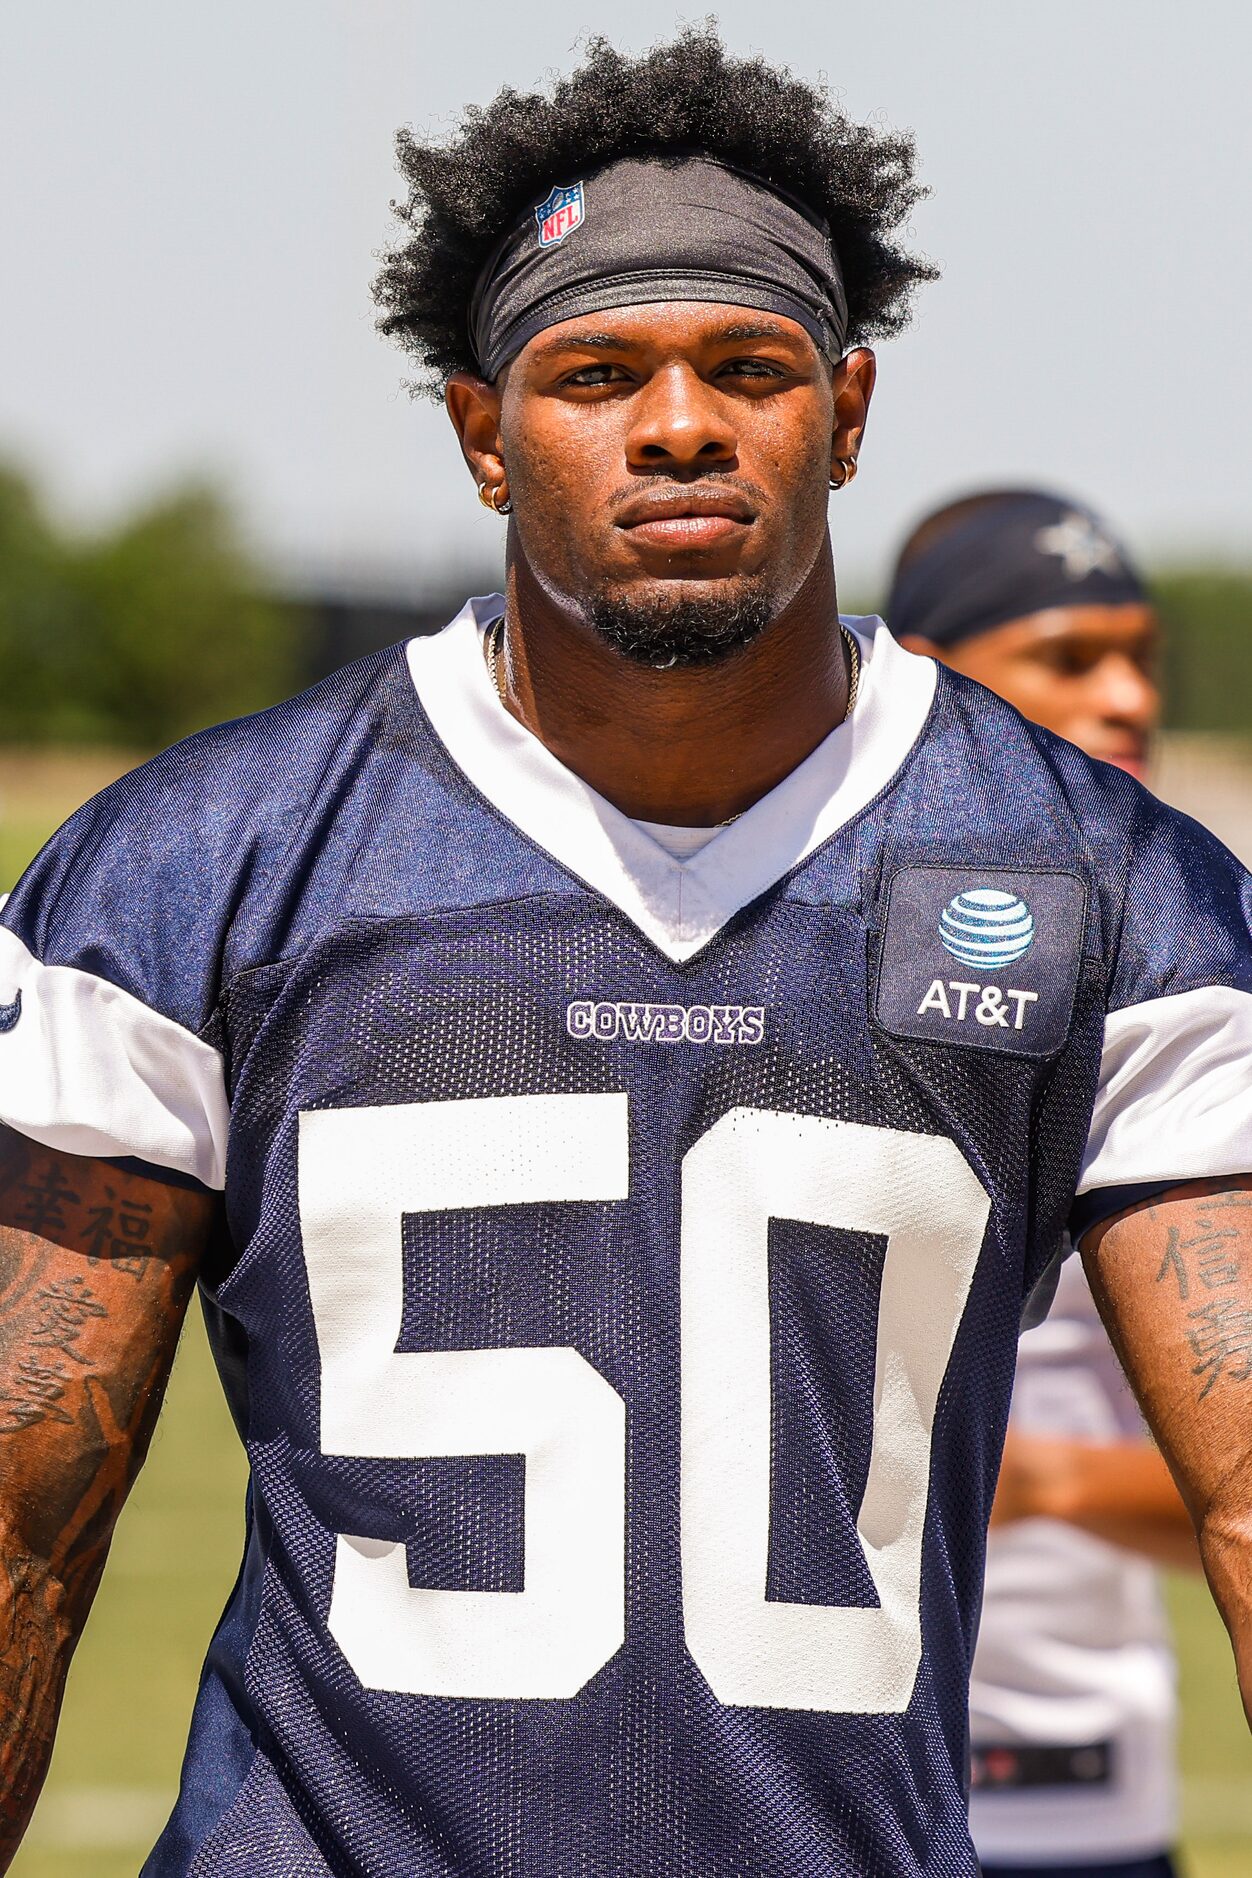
<point x="680" y="843"/>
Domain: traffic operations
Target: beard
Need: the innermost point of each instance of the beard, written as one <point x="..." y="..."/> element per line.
<point x="672" y="633"/>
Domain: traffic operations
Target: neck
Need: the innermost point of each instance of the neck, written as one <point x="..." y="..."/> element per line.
<point x="691" y="746"/>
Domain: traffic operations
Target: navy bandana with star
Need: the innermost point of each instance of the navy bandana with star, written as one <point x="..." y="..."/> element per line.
<point x="1022" y="553"/>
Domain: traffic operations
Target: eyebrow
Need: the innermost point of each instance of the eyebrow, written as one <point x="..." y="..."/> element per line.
<point x="1064" y="628"/>
<point x="586" y="342"/>
<point x="619" y="342"/>
<point x="751" y="329"/>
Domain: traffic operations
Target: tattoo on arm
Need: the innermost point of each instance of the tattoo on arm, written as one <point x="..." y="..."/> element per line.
<point x="96" y="1268"/>
<point x="1204" y="1261"/>
<point x="1186" y="1345"/>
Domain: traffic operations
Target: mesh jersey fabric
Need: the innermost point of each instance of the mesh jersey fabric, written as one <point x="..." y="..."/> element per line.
<point x="622" y="1342"/>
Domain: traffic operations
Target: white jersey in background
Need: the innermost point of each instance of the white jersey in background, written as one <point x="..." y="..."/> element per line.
<point x="1072" y="1700"/>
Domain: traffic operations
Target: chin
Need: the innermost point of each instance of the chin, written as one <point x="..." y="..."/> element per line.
<point x="698" y="625"/>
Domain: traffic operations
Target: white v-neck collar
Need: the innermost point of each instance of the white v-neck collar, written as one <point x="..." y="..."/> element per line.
<point x="679" y="905"/>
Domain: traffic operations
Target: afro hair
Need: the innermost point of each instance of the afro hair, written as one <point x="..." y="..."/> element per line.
<point x="688" y="95"/>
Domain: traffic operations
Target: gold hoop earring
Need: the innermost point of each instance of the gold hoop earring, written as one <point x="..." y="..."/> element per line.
<point x="848" y="466"/>
<point x="488" y="494"/>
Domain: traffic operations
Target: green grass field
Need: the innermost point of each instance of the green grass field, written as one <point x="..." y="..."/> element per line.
<point x="115" y="1772"/>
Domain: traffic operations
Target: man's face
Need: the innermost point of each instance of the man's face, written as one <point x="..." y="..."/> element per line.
<point x="1087" y="672"/>
<point x="668" y="467"/>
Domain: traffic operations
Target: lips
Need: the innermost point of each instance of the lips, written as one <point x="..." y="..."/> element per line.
<point x="1133" y="758"/>
<point x="681" y="520"/>
<point x="1136" y="765"/>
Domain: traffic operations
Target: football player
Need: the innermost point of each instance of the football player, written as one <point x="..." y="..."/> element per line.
<point x="650" y="1038"/>
<point x="1072" y="1699"/>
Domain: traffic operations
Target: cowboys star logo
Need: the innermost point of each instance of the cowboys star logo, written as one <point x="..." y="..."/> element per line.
<point x="1077" y="541"/>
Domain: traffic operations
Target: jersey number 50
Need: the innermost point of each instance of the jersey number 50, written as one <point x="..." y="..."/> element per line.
<point x="362" y="1169"/>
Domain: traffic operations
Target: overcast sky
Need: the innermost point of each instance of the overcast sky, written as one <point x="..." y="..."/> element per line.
<point x="190" y="198"/>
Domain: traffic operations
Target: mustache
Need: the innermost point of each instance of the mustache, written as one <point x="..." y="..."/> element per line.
<point x="662" y="482"/>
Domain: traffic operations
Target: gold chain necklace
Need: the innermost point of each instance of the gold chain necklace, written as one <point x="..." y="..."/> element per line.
<point x="854" y="670"/>
<point x="495" y="639"/>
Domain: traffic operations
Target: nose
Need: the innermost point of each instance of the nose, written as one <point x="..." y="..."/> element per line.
<point x="679" y="423"/>
<point x="1125" y="692"/>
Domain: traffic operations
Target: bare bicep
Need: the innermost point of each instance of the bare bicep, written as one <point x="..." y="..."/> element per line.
<point x="1173" y="1281"/>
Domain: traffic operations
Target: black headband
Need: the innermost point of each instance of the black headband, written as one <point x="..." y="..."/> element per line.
<point x="657" y="228"/>
<point x="1018" y="554"/>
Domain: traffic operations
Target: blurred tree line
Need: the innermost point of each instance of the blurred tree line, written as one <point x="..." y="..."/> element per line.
<point x="140" y="635"/>
<point x="135" y="636"/>
<point x="1207" y="613"/>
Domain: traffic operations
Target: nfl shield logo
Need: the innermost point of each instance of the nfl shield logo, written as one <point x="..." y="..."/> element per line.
<point x="559" y="214"/>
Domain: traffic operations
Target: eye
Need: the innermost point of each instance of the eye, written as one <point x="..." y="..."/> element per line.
<point x="594" y="376"/>
<point x="1068" y="660"/>
<point x="750" y="368"/>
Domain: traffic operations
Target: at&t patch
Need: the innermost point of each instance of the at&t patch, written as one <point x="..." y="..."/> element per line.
<point x="982" y="957"/>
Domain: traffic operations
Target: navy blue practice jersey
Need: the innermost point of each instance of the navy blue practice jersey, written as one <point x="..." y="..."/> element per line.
<point x="626" y="1253"/>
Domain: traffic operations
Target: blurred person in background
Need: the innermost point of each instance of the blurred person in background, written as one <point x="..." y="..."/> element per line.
<point x="1072" y="1698"/>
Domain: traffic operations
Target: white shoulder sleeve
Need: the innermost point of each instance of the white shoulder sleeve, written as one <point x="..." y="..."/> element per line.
<point x="87" y="1068"/>
<point x="1175" y="1095"/>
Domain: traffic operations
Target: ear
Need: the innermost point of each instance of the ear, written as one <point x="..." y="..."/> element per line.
<point x="853" y="387"/>
<point x="474" y="409"/>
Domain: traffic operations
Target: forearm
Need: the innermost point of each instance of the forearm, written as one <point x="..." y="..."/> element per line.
<point x="1226" y="1550"/>
<point x="1173" y="1280"/>
<point x="96" y="1268"/>
<point x="1119" y="1491"/>
<point x="1123" y="1493"/>
<point x="49" y="1574"/>
<point x="39" y="1626"/>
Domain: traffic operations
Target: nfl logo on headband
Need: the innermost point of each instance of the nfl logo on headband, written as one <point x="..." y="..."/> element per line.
<point x="559" y="214"/>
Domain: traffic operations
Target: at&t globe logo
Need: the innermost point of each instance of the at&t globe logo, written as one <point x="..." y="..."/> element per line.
<point x="986" y="928"/>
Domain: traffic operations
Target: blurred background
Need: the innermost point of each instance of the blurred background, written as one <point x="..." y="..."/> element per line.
<point x="213" y="488"/>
